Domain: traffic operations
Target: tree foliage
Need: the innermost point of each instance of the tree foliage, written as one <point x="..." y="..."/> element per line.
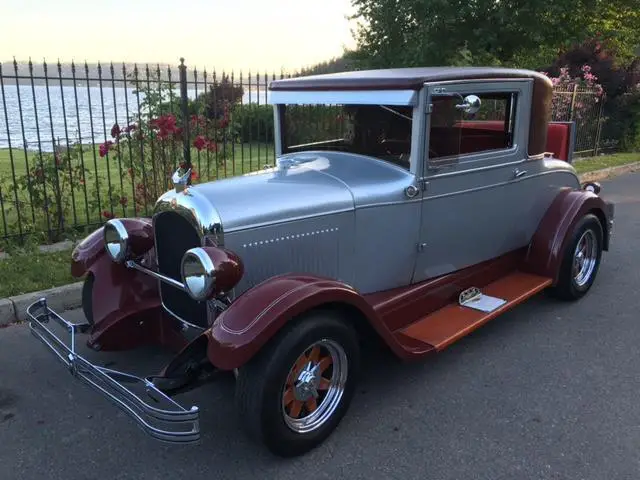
<point x="522" y="33"/>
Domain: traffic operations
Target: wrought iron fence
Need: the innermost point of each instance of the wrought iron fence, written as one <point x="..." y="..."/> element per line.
<point x="82" y="143"/>
<point x="584" y="106"/>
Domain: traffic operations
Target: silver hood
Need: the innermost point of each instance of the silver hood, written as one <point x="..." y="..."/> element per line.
<point x="299" y="186"/>
<point x="283" y="193"/>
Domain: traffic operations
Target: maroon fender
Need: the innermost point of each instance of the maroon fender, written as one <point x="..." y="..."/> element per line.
<point x="254" y="317"/>
<point x="127" y="310"/>
<point x="547" y="246"/>
<point x="126" y="305"/>
<point x="92" y="247"/>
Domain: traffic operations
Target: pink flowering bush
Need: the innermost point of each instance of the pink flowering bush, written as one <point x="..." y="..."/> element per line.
<point x="585" y="88"/>
<point x="148" y="150"/>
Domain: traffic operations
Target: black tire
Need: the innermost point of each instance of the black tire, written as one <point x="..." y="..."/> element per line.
<point x="261" y="384"/>
<point x="87" y="298"/>
<point x="568" y="286"/>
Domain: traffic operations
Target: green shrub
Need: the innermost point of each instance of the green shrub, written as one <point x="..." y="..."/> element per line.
<point x="254" y="123"/>
<point x="622" y="121"/>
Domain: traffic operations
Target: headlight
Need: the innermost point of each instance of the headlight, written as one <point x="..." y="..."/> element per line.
<point x="592" y="187"/>
<point x="116" y="240"/>
<point x="198" y="273"/>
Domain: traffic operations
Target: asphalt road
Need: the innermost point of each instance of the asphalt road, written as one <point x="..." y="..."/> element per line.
<point x="547" y="391"/>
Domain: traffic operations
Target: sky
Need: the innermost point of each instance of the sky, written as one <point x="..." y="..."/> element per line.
<point x="225" y="34"/>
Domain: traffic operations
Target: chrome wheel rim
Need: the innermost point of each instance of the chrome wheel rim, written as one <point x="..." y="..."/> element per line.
<point x="314" y="386"/>
<point x="585" y="257"/>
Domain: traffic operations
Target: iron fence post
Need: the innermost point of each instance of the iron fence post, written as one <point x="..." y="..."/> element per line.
<point x="599" y="128"/>
<point x="573" y="102"/>
<point x="184" y="106"/>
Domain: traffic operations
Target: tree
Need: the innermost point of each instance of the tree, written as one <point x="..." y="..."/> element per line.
<point x="522" y="33"/>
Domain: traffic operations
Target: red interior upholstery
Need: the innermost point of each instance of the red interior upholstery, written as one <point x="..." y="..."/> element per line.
<point x="474" y="136"/>
<point x="558" y="135"/>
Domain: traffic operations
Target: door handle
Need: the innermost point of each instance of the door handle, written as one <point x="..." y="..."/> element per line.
<point x="517" y="173"/>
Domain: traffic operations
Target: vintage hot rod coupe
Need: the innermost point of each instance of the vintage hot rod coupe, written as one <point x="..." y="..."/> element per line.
<point x="409" y="205"/>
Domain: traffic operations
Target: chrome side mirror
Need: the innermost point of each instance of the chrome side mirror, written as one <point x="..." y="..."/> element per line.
<point x="471" y="104"/>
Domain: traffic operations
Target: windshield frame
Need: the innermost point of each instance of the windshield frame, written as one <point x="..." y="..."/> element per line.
<point x="381" y="98"/>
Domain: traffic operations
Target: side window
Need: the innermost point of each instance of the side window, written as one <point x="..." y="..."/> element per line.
<point x="454" y="132"/>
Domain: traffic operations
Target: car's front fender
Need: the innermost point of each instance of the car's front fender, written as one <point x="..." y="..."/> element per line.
<point x="259" y="313"/>
<point x="91" y="248"/>
<point x="125" y="304"/>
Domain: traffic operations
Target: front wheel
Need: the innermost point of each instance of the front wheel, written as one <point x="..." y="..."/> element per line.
<point x="581" y="259"/>
<point x="294" y="393"/>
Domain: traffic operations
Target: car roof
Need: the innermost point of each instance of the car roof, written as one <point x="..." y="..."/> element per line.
<point x="401" y="78"/>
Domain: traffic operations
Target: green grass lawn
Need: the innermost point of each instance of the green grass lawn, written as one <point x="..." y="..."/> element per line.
<point x="103" y="173"/>
<point x="33" y="271"/>
<point x="590" y="164"/>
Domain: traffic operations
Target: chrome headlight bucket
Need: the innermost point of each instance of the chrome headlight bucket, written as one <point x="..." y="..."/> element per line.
<point x="116" y="240"/>
<point x="198" y="274"/>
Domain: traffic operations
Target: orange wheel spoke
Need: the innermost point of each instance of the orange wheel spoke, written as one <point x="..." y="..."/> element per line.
<point x="324" y="364"/>
<point x="288" y="396"/>
<point x="311" y="404"/>
<point x="299" y="365"/>
<point x="314" y="356"/>
<point x="324" y="384"/>
<point x="296" y="408"/>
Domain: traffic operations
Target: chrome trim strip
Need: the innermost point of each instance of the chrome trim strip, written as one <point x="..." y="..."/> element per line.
<point x="343" y="97"/>
<point x="162" y="278"/>
<point x="202" y="216"/>
<point x="194" y="208"/>
<point x="479" y="80"/>
<point x="328" y="213"/>
<point x="494" y="185"/>
<point x="171" y="423"/>
<point x="182" y="320"/>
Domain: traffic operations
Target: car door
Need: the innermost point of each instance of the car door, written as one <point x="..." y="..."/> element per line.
<point x="473" y="200"/>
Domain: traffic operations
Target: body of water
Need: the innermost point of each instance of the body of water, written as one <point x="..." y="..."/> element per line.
<point x="39" y="117"/>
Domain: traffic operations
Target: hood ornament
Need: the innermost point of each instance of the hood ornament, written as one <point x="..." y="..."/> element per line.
<point x="181" y="180"/>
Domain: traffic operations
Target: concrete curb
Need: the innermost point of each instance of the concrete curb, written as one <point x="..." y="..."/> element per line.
<point x="609" y="172"/>
<point x="67" y="297"/>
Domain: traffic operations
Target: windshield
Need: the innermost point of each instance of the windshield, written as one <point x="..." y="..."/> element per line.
<point x="376" y="130"/>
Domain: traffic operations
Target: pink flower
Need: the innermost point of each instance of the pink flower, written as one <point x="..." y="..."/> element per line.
<point x="200" y="142"/>
<point x="115" y="131"/>
<point x="105" y="147"/>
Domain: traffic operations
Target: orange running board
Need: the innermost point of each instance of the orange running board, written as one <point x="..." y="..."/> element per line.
<point x="452" y="322"/>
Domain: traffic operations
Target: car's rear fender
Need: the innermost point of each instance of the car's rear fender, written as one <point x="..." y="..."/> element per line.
<point x="259" y="313"/>
<point x="548" y="244"/>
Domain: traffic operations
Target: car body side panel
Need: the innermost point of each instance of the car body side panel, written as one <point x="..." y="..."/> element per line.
<point x="385" y="249"/>
<point x="546" y="250"/>
<point x="487" y="203"/>
<point x="321" y="245"/>
<point x="241" y="330"/>
<point x="490" y="213"/>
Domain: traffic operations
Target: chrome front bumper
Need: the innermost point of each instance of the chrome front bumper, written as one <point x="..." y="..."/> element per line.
<point x="167" y="420"/>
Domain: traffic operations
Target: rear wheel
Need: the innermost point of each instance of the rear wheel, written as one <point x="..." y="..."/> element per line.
<point x="295" y="392"/>
<point x="581" y="259"/>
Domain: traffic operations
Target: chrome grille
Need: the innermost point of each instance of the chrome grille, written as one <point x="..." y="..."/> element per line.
<point x="174" y="235"/>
